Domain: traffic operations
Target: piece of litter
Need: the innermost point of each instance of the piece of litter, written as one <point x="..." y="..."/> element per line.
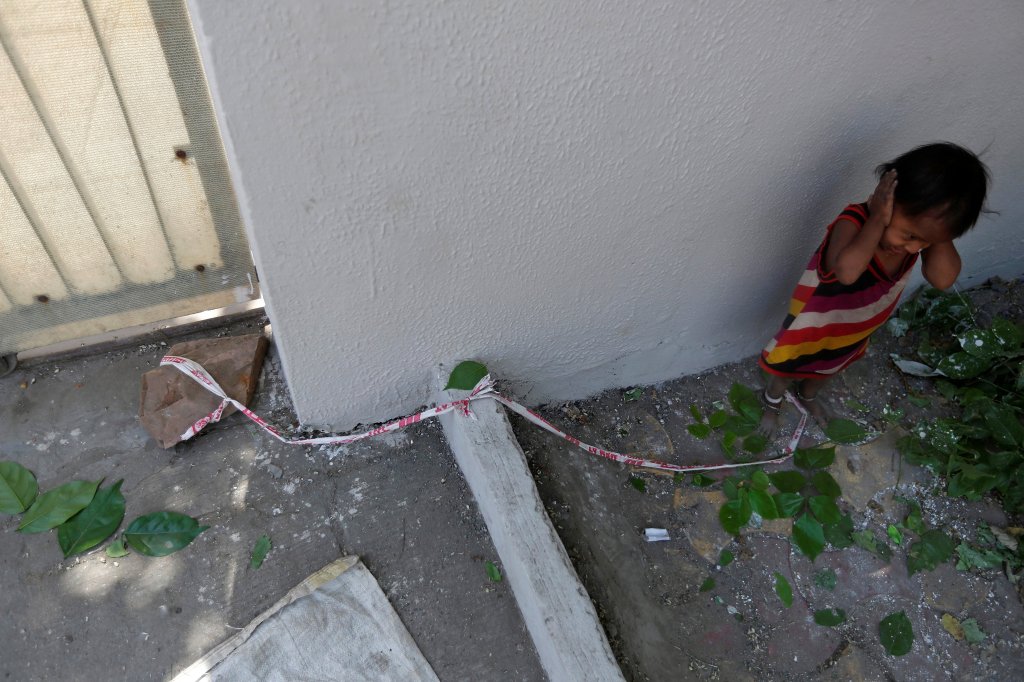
<point x="656" y="534"/>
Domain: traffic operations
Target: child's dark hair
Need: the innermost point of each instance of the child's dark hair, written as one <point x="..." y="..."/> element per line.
<point x="941" y="176"/>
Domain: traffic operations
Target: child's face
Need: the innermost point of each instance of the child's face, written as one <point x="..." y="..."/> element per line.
<point x="911" y="234"/>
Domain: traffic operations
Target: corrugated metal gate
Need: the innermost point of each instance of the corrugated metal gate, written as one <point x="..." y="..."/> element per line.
<point x="116" y="208"/>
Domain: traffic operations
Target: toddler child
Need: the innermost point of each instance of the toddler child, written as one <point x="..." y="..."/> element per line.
<point x="924" y="200"/>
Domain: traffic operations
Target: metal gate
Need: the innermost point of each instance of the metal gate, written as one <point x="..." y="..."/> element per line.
<point x="116" y="208"/>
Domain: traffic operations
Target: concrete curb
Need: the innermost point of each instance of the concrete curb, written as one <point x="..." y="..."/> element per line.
<point x="558" y="613"/>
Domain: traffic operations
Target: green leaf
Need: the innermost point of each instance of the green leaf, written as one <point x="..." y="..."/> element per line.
<point x="894" y="534"/>
<point x="783" y="589"/>
<point x="1004" y="426"/>
<point x="755" y="443"/>
<point x="628" y="396"/>
<point x="18" y="488"/>
<point x="830" y="617"/>
<point x="866" y="540"/>
<point x="466" y="375"/>
<point x="933" y="548"/>
<point x="969" y="557"/>
<point x="913" y="522"/>
<point x="702" y="481"/>
<point x="638" y="483"/>
<point x="825" y="579"/>
<point x="162" y="533"/>
<point x="981" y="343"/>
<point x="95" y="523"/>
<point x="57" y="506"/>
<point x="259" y="551"/>
<point x="725" y="558"/>
<point x="729" y="444"/>
<point x="893" y="415"/>
<point x="116" y="550"/>
<point x="974" y="634"/>
<point x="700" y="431"/>
<point x="845" y="431"/>
<point x="920" y="401"/>
<point x="763" y="504"/>
<point x="839" y="535"/>
<point x="808" y="536"/>
<point x="857" y="405"/>
<point x="788" y="481"/>
<point x="708" y="584"/>
<point x="729" y="488"/>
<point x="825" y="484"/>
<point x="734" y="515"/>
<point x="1008" y="335"/>
<point x="759" y="480"/>
<point x="718" y="419"/>
<point x="960" y="365"/>
<point x="824" y="509"/>
<point x="788" y="504"/>
<point x="814" y="458"/>
<point x="695" y="411"/>
<point x="492" y="572"/>
<point x="746" y="404"/>
<point x="896" y="634"/>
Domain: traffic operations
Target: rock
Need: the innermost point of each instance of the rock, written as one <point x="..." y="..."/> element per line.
<point x="274" y="471"/>
<point x="171" y="401"/>
<point x="705" y="533"/>
<point x="863" y="471"/>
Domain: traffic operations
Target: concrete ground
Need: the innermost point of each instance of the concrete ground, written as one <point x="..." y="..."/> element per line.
<point x="399" y="502"/>
<point x="663" y="626"/>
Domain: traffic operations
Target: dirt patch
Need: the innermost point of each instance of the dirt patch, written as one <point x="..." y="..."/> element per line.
<point x="649" y="595"/>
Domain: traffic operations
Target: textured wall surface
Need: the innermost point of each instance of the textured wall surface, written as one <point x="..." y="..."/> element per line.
<point x="580" y="194"/>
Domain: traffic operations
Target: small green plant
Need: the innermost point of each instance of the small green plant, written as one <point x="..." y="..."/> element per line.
<point x="737" y="427"/>
<point x="981" y="450"/>
<point x="808" y="498"/>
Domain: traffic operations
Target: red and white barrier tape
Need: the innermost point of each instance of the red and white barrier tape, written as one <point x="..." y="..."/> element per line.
<point x="483" y="389"/>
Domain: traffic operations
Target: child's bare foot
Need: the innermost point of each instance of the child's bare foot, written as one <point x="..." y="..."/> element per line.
<point x="821" y="414"/>
<point x="770" y="417"/>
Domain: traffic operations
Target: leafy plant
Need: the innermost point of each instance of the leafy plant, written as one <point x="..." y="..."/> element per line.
<point x="492" y="572"/>
<point x="810" y="502"/>
<point x="981" y="450"/>
<point x="736" y="427"/>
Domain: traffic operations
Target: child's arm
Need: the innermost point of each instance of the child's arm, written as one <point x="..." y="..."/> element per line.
<point x="849" y="249"/>
<point x="940" y="264"/>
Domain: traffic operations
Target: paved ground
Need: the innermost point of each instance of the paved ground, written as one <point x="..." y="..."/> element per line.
<point x="399" y="502"/>
<point x="662" y="626"/>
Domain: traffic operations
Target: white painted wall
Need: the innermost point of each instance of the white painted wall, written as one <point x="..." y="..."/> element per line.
<point x="580" y="194"/>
